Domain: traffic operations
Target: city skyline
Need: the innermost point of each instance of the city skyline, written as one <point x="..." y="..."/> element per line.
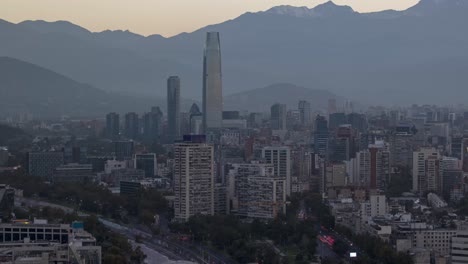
<point x="152" y="17"/>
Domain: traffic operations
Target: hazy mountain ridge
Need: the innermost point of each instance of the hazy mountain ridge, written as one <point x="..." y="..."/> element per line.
<point x="32" y="89"/>
<point x="333" y="51"/>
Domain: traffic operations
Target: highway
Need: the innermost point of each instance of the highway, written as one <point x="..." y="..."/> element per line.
<point x="166" y="245"/>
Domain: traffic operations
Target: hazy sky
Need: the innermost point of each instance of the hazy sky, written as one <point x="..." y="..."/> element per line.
<point x="165" y="17"/>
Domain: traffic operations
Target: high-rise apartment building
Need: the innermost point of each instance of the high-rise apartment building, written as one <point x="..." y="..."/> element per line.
<point x="212" y="83"/>
<point x="280" y="157"/>
<point x="173" y="108"/>
<point x="112" y="125"/>
<point x="426" y="170"/>
<point x="260" y="193"/>
<point x="278" y="117"/>
<point x="132" y="127"/>
<point x="335" y="175"/>
<point x="194" y="178"/>
<point x="372" y="166"/>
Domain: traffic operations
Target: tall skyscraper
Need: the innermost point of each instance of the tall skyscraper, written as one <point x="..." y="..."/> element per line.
<point x="212" y="83"/>
<point x="152" y="125"/>
<point x="173" y="108"/>
<point x="194" y="178"/>
<point x="305" y="112"/>
<point x="280" y="157"/>
<point x="132" y="127"/>
<point x="278" y="117"/>
<point x="321" y="136"/>
<point x="112" y="125"/>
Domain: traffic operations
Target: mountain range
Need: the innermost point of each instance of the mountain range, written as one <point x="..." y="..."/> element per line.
<point x="418" y="55"/>
<point x="29" y="88"/>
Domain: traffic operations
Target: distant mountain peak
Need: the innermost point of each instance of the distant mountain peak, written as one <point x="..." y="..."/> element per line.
<point x="330" y="8"/>
<point x="59" y="26"/>
<point x="323" y="10"/>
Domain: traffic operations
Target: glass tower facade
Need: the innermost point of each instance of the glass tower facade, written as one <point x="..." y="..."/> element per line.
<point x="212" y="83"/>
<point x="173" y="108"/>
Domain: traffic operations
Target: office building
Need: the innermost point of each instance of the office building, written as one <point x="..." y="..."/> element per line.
<point x="196" y="120"/>
<point x="337" y="120"/>
<point x="278" y="117"/>
<point x="73" y="173"/>
<point x="132" y="125"/>
<point x="173" y="108"/>
<point x="123" y="150"/>
<point x="112" y="125"/>
<point x="343" y="144"/>
<point x="260" y="192"/>
<point x="39" y="242"/>
<point x="212" y="83"/>
<point x="43" y="164"/>
<point x="459" y="248"/>
<point x="401" y="149"/>
<point x="321" y="136"/>
<point x="280" y="157"/>
<point x="452" y="176"/>
<point x="438" y="240"/>
<point x="74" y="154"/>
<point x="130" y="188"/>
<point x="147" y="163"/>
<point x="152" y="126"/>
<point x="357" y="121"/>
<point x="305" y="112"/>
<point x="194" y="178"/>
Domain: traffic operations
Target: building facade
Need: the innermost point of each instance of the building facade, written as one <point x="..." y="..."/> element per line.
<point x="173" y="108"/>
<point x="212" y="82"/>
<point x="194" y="176"/>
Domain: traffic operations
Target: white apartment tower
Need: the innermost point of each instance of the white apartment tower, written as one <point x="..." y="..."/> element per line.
<point x="193" y="178"/>
<point x="280" y="157"/>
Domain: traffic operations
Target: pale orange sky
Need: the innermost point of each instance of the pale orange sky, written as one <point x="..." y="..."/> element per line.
<point x="165" y="17"/>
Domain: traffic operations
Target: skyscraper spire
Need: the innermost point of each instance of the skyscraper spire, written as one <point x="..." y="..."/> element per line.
<point x="212" y="83"/>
